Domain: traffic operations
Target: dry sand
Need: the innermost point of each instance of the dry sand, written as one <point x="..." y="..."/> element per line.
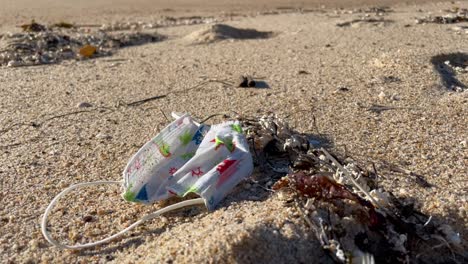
<point x="386" y="64"/>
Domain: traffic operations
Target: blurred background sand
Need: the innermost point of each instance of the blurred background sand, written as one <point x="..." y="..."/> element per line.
<point x="16" y="11"/>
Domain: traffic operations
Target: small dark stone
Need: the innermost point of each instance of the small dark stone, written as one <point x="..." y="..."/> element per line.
<point x="87" y="219"/>
<point x="390" y="79"/>
<point x="33" y="124"/>
<point x="343" y="89"/>
<point x="251" y="82"/>
<point x="243" y="82"/>
<point x="109" y="257"/>
<point x="303" y="72"/>
<point x="246" y="81"/>
<point x="84" y="105"/>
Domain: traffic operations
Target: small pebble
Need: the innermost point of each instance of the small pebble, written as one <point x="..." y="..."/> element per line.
<point x="403" y="192"/>
<point x="87" y="219"/>
<point x="103" y="136"/>
<point x="341" y="89"/>
<point x="309" y="204"/>
<point x="84" y="105"/>
<point x="395" y="97"/>
<point x="34" y="244"/>
<point x="382" y="96"/>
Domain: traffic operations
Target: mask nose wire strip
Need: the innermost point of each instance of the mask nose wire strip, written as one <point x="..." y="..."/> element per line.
<point x="150" y="216"/>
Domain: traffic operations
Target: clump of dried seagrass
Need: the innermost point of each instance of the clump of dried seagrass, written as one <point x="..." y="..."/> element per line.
<point x="353" y="220"/>
<point x="453" y="16"/>
<point x="39" y="44"/>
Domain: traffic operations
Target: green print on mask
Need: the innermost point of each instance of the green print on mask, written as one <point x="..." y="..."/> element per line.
<point x="229" y="144"/>
<point x="129" y="195"/>
<point x="188" y="155"/>
<point x="164" y="148"/>
<point x="191" y="189"/>
<point x="185" y="138"/>
<point x="237" y="128"/>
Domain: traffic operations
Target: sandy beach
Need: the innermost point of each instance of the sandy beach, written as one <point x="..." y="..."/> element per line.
<point x="370" y="82"/>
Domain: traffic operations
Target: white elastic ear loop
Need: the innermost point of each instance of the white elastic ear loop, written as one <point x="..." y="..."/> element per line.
<point x="100" y="242"/>
<point x="178" y="115"/>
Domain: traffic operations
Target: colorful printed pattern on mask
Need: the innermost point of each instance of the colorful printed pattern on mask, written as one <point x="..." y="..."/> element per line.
<point x="222" y="160"/>
<point x="154" y="165"/>
<point x="185" y="157"/>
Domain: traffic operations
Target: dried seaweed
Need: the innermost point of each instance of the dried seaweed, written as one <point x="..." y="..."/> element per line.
<point x="454" y="16"/>
<point x="364" y="20"/>
<point x="40" y="44"/>
<point x="353" y="221"/>
<point x="320" y="186"/>
<point x="33" y="27"/>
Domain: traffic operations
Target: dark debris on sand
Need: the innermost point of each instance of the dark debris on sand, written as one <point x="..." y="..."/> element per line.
<point x="354" y="219"/>
<point x="452" y="17"/>
<point x="39" y="44"/>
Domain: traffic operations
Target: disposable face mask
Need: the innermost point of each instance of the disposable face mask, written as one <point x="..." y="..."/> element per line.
<point x="185" y="157"/>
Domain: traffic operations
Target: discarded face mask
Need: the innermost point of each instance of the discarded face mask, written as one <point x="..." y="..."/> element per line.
<point x="184" y="157"/>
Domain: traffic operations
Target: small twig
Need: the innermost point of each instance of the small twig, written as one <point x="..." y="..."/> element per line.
<point x="444" y="242"/>
<point x="376" y="175"/>
<point x="12" y="126"/>
<point x="380" y="108"/>
<point x="211" y="116"/>
<point x="157" y="97"/>
<point x="315" y="124"/>
<point x="418" y="178"/>
<point x="400" y="170"/>
<point x="218" y="114"/>
<point x="337" y="164"/>
<point x="67" y="114"/>
<point x="32" y="65"/>
<point x="428" y="221"/>
<point x="139" y="102"/>
<point x="261" y="186"/>
<point x="167" y="119"/>
<point x="11" y="145"/>
<point x="304" y="215"/>
<point x="87" y="25"/>
<point x="37" y="124"/>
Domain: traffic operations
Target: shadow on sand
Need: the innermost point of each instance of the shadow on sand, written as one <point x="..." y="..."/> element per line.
<point x="447" y="72"/>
